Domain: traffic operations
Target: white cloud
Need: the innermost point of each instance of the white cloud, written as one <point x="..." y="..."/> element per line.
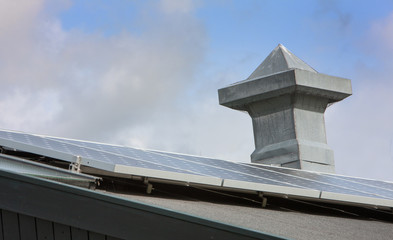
<point x="382" y="33"/>
<point x="360" y="129"/>
<point x="129" y="89"/>
<point x="139" y="89"/>
<point x="204" y="128"/>
<point x="23" y="109"/>
<point x="177" y="6"/>
<point x="98" y="85"/>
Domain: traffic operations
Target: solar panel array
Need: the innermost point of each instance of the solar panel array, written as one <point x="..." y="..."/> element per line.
<point x="206" y="171"/>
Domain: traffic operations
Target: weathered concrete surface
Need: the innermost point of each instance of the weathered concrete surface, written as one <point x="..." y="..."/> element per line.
<point x="286" y="100"/>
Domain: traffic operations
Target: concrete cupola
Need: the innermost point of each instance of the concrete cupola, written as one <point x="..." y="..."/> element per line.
<point x="287" y="99"/>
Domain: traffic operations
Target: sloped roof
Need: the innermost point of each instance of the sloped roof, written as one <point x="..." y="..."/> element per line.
<point x="293" y="219"/>
<point x="107" y="214"/>
<point x="290" y="218"/>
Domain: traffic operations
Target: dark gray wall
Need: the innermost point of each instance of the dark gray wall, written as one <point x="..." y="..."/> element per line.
<point x="14" y="226"/>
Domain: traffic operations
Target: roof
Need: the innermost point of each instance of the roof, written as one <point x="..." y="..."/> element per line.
<point x="180" y="212"/>
<point x="290" y="219"/>
<point x="108" y="214"/>
<point x="125" y="202"/>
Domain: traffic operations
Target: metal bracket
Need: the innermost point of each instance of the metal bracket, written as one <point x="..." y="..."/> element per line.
<point x="76" y="166"/>
<point x="149" y="186"/>
<point x="264" y="199"/>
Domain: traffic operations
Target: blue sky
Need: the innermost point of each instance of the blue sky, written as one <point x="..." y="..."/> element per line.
<point x="237" y="29"/>
<point x="146" y="73"/>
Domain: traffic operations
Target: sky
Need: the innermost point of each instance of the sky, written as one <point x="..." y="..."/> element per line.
<point x="146" y="73"/>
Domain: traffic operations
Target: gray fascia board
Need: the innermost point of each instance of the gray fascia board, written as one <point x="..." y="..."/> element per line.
<point x="182" y="177"/>
<point x="109" y="215"/>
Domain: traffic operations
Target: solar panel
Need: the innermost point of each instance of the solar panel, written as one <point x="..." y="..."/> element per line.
<point x="350" y="184"/>
<point x="103" y="160"/>
<point x="206" y="171"/>
<point x="209" y="167"/>
<point x="323" y="182"/>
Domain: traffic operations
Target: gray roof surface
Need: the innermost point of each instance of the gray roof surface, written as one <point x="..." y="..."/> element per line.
<point x="290" y="223"/>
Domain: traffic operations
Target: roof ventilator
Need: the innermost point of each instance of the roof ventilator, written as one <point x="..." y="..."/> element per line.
<point x="286" y="99"/>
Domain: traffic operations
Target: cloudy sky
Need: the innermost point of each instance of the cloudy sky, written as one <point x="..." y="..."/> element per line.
<point x="146" y="73"/>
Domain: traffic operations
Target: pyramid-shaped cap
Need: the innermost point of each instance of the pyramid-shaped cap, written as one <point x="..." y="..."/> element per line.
<point x="279" y="60"/>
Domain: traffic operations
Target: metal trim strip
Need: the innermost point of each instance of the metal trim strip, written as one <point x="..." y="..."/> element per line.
<point x="290" y="191"/>
<point x="183" y="177"/>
